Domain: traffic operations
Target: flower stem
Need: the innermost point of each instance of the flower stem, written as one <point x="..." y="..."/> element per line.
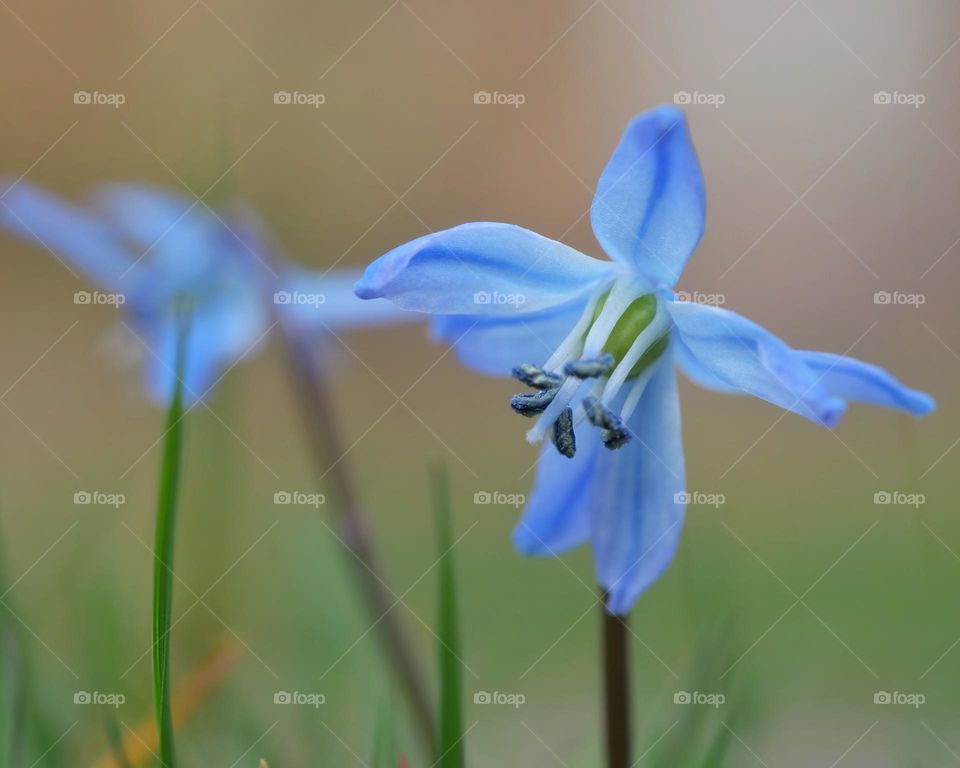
<point x="355" y="534"/>
<point x="616" y="680"/>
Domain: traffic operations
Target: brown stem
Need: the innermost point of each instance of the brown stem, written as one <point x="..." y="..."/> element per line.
<point x="616" y="679"/>
<point x="355" y="532"/>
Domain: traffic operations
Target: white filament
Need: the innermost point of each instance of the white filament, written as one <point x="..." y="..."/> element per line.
<point x="647" y="338"/>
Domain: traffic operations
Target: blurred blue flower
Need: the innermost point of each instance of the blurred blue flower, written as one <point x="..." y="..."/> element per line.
<point x="607" y="336"/>
<point x="149" y="251"/>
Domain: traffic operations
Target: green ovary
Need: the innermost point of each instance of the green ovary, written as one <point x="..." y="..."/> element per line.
<point x="632" y="322"/>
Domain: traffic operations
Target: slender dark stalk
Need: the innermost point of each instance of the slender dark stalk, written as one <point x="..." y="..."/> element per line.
<point x="355" y="533"/>
<point x="616" y="685"/>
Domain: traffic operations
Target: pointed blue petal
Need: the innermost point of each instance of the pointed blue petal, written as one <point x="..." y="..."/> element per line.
<point x="494" y="345"/>
<point x="862" y="382"/>
<point x="557" y="514"/>
<point x="650" y="204"/>
<point x="724" y="351"/>
<point x="482" y="269"/>
<point x="636" y="510"/>
<point x="321" y="301"/>
<point x="80" y="239"/>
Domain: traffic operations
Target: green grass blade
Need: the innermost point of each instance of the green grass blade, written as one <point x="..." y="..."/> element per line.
<point x="450" y="747"/>
<point x="115" y="740"/>
<point x="385" y="751"/>
<point x="163" y="562"/>
<point x="11" y="699"/>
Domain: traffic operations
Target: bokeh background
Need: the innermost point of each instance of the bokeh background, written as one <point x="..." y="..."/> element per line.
<point x="799" y="598"/>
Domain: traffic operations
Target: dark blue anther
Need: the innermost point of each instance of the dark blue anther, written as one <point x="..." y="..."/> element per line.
<point x="591" y="368"/>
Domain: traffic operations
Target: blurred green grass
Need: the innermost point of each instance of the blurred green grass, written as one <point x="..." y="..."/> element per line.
<point x="794" y="508"/>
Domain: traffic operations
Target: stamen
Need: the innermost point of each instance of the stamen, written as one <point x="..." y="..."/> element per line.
<point x="536" y="377"/>
<point x="621" y="295"/>
<point x="533" y="404"/>
<point x="647" y="337"/>
<point x="636" y="392"/>
<point x="571" y="345"/>
<point x="613" y="433"/>
<point x="563" y="437"/>
<point x="590" y="369"/>
<point x="615" y="438"/>
<point x="562" y="399"/>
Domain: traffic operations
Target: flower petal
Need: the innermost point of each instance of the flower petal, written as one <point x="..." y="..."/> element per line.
<point x="650" y="204"/>
<point x="557" y="515"/>
<point x="636" y="513"/>
<point x="82" y="240"/>
<point x="221" y="333"/>
<point x="494" y="345"/>
<point x="482" y="269"/>
<point x="855" y="380"/>
<point x="724" y="351"/>
<point x="321" y="301"/>
<point x="178" y="242"/>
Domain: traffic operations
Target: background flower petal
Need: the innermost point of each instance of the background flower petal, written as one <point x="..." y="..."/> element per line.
<point x="650" y="203"/>
<point x="82" y="240"/>
<point x="482" y="269"/>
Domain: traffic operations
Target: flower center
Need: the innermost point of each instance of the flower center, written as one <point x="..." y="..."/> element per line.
<point x="619" y="336"/>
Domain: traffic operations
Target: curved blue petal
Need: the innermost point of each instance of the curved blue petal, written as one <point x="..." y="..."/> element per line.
<point x="82" y="240"/>
<point x="320" y="301"/>
<point x="221" y="333"/>
<point x="143" y="213"/>
<point x="557" y="514"/>
<point x="650" y="205"/>
<point x="175" y="240"/>
<point x="852" y="379"/>
<point x="636" y="497"/>
<point x="724" y="351"/>
<point x="494" y="345"/>
<point x="482" y="269"/>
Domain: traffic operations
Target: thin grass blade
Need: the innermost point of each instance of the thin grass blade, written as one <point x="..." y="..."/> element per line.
<point x="451" y="749"/>
<point x="167" y="500"/>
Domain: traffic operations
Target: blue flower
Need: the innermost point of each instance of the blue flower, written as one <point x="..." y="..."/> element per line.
<point x="150" y="251"/>
<point x="598" y="342"/>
